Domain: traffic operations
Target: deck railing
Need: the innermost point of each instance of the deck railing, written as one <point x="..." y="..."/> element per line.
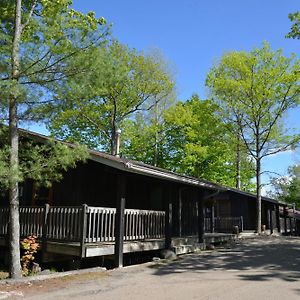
<point x="139" y="224"/>
<point x="31" y="220"/>
<point x="224" y="224"/>
<point x="4" y="218"/>
<point x="87" y="224"/>
<point x="144" y="224"/>
<point x="62" y="223"/>
<point x="100" y="224"/>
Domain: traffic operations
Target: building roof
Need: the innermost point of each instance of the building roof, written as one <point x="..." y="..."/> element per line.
<point x="141" y="168"/>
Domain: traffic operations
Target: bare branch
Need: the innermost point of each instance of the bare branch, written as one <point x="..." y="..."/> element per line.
<point x="23" y="26"/>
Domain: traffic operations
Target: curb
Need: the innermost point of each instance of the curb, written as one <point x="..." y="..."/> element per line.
<point x="51" y="276"/>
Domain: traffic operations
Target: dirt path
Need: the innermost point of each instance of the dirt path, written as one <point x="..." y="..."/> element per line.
<point x="254" y="269"/>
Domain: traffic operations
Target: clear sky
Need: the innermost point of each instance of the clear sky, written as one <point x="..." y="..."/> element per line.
<point x="193" y="34"/>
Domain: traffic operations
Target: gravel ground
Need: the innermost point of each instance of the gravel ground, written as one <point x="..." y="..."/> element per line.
<point x="260" y="268"/>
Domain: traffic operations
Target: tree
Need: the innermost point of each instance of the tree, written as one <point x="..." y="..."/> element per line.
<point x="287" y="188"/>
<point x="121" y="83"/>
<point x="198" y="143"/>
<point x="144" y="136"/>
<point x="295" y="29"/>
<point x="38" y="38"/>
<point x="258" y="88"/>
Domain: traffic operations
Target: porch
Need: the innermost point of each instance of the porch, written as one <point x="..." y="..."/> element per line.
<point x="87" y="231"/>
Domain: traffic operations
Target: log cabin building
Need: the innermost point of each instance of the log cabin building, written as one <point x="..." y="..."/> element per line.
<point x="111" y="205"/>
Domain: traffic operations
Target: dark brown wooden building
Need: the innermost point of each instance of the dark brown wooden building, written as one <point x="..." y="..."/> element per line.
<point x="111" y="205"/>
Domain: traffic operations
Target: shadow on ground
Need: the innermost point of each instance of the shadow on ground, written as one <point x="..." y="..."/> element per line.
<point x="270" y="257"/>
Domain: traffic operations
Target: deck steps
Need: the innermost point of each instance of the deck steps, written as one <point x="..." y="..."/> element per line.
<point x="184" y="249"/>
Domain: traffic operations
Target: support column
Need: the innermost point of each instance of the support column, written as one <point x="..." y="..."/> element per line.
<point x="169" y="221"/>
<point x="44" y="232"/>
<point x="212" y="219"/>
<point x="285" y="219"/>
<point x="291" y="226"/>
<point x="180" y="212"/>
<point x="200" y="218"/>
<point x="278" y="218"/>
<point x="271" y="219"/>
<point x="119" y="221"/>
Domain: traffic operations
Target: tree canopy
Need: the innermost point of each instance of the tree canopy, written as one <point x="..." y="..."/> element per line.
<point x="121" y="82"/>
<point x="198" y="143"/>
<point x="295" y="29"/>
<point x="257" y="88"/>
<point x="38" y="41"/>
<point x="287" y="188"/>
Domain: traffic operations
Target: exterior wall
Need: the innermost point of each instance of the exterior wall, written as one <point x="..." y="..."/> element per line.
<point x="236" y="205"/>
<point x="95" y="185"/>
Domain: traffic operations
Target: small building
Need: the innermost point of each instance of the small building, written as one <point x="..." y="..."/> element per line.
<point x="111" y="205"/>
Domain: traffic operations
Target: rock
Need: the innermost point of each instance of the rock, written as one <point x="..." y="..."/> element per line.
<point x="168" y="254"/>
<point x="210" y="247"/>
<point x="155" y="259"/>
<point x="46" y="272"/>
<point x="36" y="268"/>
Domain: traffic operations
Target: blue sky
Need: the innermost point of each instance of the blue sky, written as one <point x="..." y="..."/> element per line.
<point x="193" y="34"/>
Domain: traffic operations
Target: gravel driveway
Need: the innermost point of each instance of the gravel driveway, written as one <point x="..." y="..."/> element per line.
<point x="261" y="268"/>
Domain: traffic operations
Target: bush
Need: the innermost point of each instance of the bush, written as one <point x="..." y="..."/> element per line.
<point x="30" y="247"/>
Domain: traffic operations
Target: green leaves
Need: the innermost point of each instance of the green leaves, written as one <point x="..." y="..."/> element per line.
<point x="120" y="82"/>
<point x="199" y="143"/>
<point x="295" y="29"/>
<point x="254" y="91"/>
<point x="287" y="188"/>
<point x="44" y="162"/>
<point x="53" y="37"/>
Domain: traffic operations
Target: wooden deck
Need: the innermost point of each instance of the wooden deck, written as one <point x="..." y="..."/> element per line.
<point x="180" y="245"/>
<point x="90" y="231"/>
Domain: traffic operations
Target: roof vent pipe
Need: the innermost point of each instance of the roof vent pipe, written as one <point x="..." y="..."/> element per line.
<point x="118" y="135"/>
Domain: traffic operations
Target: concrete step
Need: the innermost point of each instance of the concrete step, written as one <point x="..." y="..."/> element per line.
<point x="178" y="241"/>
<point x="184" y="249"/>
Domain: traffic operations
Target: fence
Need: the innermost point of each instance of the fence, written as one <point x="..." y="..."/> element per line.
<point x="60" y="223"/>
<point x="138" y="224"/>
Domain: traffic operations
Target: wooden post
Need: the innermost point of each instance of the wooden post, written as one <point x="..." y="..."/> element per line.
<point x="285" y="219"/>
<point x="271" y="219"/>
<point x="242" y="224"/>
<point x="212" y="219"/>
<point x="169" y="220"/>
<point x="278" y="218"/>
<point x="45" y="228"/>
<point x="83" y="229"/>
<point x="291" y="226"/>
<point x="119" y="221"/>
<point x="200" y="218"/>
<point x="180" y="212"/>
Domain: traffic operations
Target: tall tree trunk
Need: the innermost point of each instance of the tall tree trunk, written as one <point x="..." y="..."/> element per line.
<point x="258" y="194"/>
<point x="155" y="160"/>
<point x="14" y="225"/>
<point x="238" y="163"/>
<point x="113" y="144"/>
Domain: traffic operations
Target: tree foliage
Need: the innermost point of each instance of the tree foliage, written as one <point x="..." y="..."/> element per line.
<point x="295" y="29"/>
<point x="258" y="88"/>
<point x="144" y="137"/>
<point x="199" y="144"/>
<point x="38" y="39"/>
<point x="121" y="82"/>
<point x="287" y="188"/>
<point x="42" y="161"/>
